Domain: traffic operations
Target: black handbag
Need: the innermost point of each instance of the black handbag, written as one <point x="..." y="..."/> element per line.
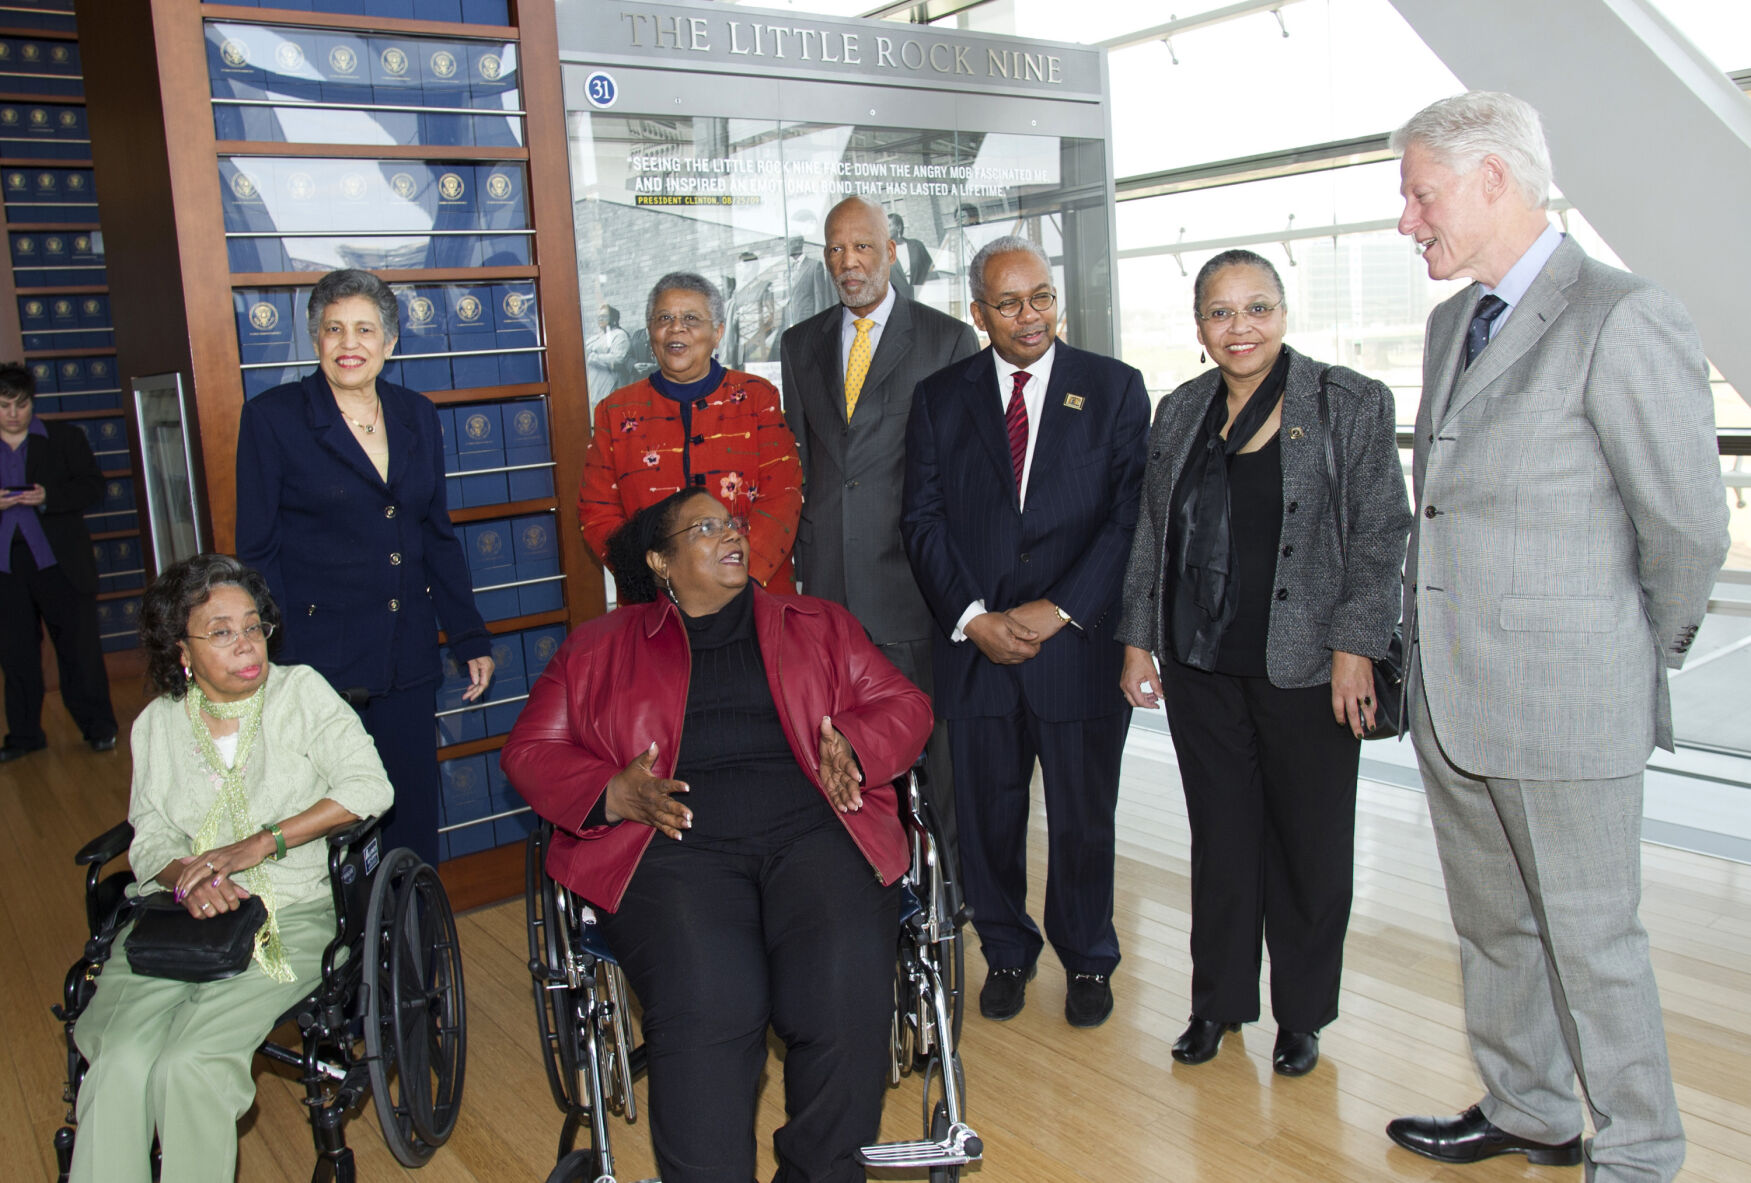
<point x="169" y="943"/>
<point x="1389" y="667"/>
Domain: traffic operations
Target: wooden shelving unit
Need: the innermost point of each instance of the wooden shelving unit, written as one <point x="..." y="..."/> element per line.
<point x="124" y="660"/>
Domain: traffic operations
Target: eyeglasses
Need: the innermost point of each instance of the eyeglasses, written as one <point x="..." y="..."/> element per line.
<point x="1011" y="308"/>
<point x="1256" y="311"/>
<point x="691" y="321"/>
<point x="222" y="637"/>
<point x="712" y="527"/>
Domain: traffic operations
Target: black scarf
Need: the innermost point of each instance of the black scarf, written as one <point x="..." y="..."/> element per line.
<point x="1198" y="603"/>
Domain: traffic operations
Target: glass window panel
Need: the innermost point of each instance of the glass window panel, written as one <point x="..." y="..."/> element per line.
<point x="1720" y="29"/>
<point x="1358" y="294"/>
<point x="1242" y="88"/>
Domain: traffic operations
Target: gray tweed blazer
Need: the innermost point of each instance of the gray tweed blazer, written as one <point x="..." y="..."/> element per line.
<point x="1320" y="606"/>
<point x="1573" y="520"/>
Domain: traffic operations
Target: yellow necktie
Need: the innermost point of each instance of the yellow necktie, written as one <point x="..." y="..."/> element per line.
<point x="857" y="365"/>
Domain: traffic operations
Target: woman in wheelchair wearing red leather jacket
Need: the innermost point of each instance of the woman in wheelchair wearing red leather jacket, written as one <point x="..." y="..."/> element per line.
<point x="716" y="763"/>
<point x="240" y="768"/>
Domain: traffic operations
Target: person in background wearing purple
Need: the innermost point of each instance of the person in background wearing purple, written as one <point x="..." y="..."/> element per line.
<point x="48" y="479"/>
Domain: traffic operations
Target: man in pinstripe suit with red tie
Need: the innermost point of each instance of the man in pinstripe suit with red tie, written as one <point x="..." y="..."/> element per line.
<point x="1023" y="465"/>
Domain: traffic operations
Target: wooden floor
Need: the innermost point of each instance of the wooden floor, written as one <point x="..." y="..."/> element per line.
<point x="1052" y="1103"/>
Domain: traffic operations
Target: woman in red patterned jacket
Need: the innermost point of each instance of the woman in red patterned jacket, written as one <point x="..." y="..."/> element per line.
<point x="716" y="764"/>
<point x="695" y="425"/>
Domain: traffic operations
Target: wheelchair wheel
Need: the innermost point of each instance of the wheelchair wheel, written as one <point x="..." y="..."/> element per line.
<point x="577" y="1167"/>
<point x="415" y="1013"/>
<point x="555" y="1007"/>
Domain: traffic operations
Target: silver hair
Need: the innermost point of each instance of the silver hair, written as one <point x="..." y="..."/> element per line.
<point x="1460" y="131"/>
<point x="687" y="281"/>
<point x="341" y="285"/>
<point x="1002" y="246"/>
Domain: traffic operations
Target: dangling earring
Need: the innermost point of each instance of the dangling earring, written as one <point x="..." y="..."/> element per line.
<point x="187" y="673"/>
<point x="1200" y="357"/>
<point x="669" y="589"/>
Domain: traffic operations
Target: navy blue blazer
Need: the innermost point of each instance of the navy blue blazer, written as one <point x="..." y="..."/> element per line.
<point x="968" y="540"/>
<point x="348" y="556"/>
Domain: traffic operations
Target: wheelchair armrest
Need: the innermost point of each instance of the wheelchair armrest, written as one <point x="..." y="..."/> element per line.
<point x="106" y="846"/>
<point x="350" y="833"/>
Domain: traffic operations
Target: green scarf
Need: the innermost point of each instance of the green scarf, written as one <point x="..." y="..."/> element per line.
<point x="230" y="810"/>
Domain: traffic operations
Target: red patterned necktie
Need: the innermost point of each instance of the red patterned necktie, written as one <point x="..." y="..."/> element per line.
<point x="1015" y="419"/>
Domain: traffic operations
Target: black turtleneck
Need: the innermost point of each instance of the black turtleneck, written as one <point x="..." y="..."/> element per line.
<point x="747" y="792"/>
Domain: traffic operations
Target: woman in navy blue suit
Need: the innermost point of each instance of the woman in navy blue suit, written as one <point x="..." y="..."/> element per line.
<point x="340" y="504"/>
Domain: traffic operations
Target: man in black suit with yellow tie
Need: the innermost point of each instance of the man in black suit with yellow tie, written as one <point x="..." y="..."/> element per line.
<point x="849" y="373"/>
<point x="1023" y="466"/>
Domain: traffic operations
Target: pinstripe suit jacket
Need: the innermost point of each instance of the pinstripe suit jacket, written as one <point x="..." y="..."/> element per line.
<point x="848" y="546"/>
<point x="1570" y="522"/>
<point x="968" y="540"/>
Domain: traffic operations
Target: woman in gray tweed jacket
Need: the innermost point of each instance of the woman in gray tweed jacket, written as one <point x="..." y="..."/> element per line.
<point x="1266" y="630"/>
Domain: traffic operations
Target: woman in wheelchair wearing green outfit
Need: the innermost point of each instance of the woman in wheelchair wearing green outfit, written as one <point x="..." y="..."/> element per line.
<point x="716" y="764"/>
<point x="240" y="768"/>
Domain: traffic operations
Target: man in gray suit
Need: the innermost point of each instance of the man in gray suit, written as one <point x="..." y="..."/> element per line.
<point x="1570" y="521"/>
<point x="851" y="434"/>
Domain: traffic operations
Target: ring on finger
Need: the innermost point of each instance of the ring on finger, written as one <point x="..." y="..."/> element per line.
<point x="205" y="906"/>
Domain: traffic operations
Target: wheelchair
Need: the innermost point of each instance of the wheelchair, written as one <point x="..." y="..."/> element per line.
<point x="591" y="1058"/>
<point x="387" y="1019"/>
<point x="929" y="996"/>
<point x="583" y="1019"/>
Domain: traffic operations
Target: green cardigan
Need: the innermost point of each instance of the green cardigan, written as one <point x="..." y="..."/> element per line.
<point x="311" y="746"/>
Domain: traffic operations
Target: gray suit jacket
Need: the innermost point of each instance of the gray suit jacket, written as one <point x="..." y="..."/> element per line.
<point x="848" y="546"/>
<point x="1322" y="605"/>
<point x="1570" y="522"/>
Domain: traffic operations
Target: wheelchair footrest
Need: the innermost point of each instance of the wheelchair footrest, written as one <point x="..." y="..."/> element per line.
<point x="959" y="1147"/>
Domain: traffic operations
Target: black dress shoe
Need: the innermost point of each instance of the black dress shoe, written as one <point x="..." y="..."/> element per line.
<point x="105" y="743"/>
<point x="1005" y="992"/>
<point x="1296" y="1052"/>
<point x="1200" y="1040"/>
<point x="1089" y="1000"/>
<point x="12" y="751"/>
<point x="1470" y="1137"/>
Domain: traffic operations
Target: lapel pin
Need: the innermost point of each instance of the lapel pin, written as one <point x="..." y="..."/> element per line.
<point x="1296" y="433"/>
<point x="1073" y="401"/>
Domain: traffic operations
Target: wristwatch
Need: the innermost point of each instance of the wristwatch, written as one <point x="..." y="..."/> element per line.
<point x="1063" y="615"/>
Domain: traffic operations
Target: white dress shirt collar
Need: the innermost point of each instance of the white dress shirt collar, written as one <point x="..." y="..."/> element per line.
<point x="1514" y="285"/>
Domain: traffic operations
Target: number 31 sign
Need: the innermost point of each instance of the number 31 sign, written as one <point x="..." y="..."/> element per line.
<point x="601" y="89"/>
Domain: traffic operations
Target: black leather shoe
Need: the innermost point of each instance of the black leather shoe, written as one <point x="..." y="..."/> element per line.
<point x="1470" y="1137"/>
<point x="1089" y="1000"/>
<point x="12" y="751"/>
<point x="105" y="744"/>
<point x="1296" y="1052"/>
<point x="1005" y="992"/>
<point x="1200" y="1040"/>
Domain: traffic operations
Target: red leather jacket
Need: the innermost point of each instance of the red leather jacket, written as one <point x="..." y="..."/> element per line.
<point x="620" y="681"/>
